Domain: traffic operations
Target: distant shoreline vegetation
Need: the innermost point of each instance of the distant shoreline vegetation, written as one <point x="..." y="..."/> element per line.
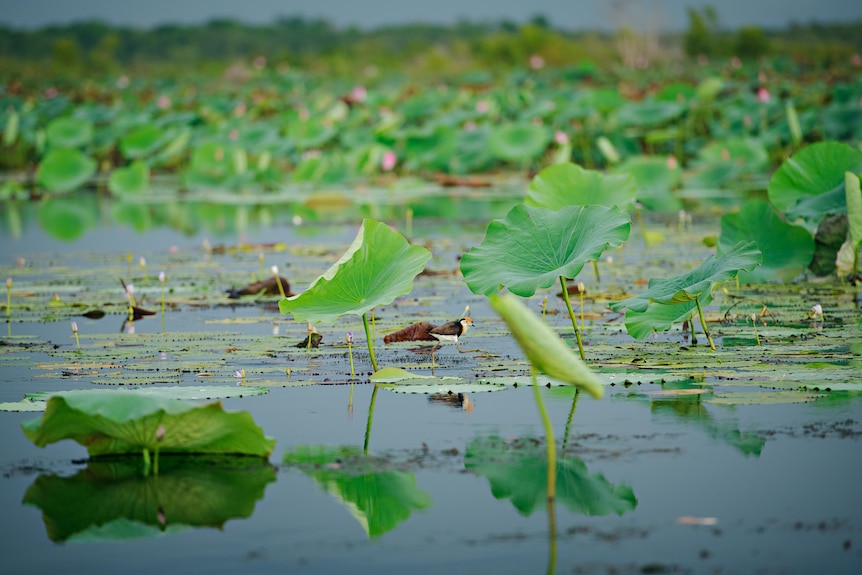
<point x="95" y="48"/>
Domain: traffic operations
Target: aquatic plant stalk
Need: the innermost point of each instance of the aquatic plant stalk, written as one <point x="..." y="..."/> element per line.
<point x="75" y="331"/>
<point x="370" y="417"/>
<point x="278" y="281"/>
<point x="574" y="319"/>
<point x="754" y="325"/>
<point x="571" y="416"/>
<point x="581" y="289"/>
<point x="703" y="325"/>
<point x="549" y="438"/>
<point x="8" y="298"/>
<point x="350" y="351"/>
<point x="370" y="342"/>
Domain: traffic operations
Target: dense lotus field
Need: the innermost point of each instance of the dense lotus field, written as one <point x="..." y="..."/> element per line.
<point x="708" y="132"/>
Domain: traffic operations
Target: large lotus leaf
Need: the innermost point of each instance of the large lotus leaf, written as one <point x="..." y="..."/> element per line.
<point x="142" y="141"/>
<point x="69" y="132"/>
<point x="648" y="114"/>
<point x="128" y="422"/>
<point x="430" y="148"/>
<point x="518" y="143"/>
<point x="378" y="500"/>
<point x="114" y="500"/>
<point x="787" y="249"/>
<point x="133" y="179"/>
<point x="532" y="247"/>
<point x="691" y="285"/>
<point x="746" y="152"/>
<point x="65" y="169"/>
<point x="544" y="348"/>
<point x="654" y="179"/>
<point x="660" y="317"/>
<point x="311" y="134"/>
<point x="569" y="184"/>
<point x="377" y="267"/>
<point x="520" y="473"/>
<point x="810" y="184"/>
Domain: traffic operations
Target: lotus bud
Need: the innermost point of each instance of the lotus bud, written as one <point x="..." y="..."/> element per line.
<point x="8" y="283"/>
<point x="388" y="161"/>
<point x="672" y="162"/>
<point x="74" y="327"/>
<point x="763" y="95"/>
<point x="21" y="262"/>
<point x="160" y="433"/>
<point x="142" y="262"/>
<point x="561" y="138"/>
<point x="581" y="287"/>
<point x="162" y="277"/>
<point x="817" y="311"/>
<point x="274" y="270"/>
<point x="350" y="337"/>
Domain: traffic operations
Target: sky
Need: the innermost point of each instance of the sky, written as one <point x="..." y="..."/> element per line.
<point x="565" y="14"/>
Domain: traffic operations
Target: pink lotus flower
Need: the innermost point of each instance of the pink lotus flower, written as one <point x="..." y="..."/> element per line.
<point x="537" y="62"/>
<point x="672" y="163"/>
<point x="388" y="161"/>
<point x="561" y="137"/>
<point x="482" y="106"/>
<point x="163" y="103"/>
<point x="359" y="93"/>
<point x="51" y="93"/>
<point x="856" y="60"/>
<point x="240" y="110"/>
<point x="762" y="95"/>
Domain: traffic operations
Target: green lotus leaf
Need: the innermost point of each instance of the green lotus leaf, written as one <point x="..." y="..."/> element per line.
<point x="661" y="317"/>
<point x="126" y="422"/>
<point x="69" y="132"/>
<point x="114" y="500"/>
<point x="543" y="347"/>
<point x="648" y="114"/>
<point x="787" y="249"/>
<point x="709" y="89"/>
<point x="654" y="180"/>
<point x="142" y="141"/>
<point x="810" y="184"/>
<point x="519" y="473"/>
<point x="133" y="179"/>
<point x="377" y="267"/>
<point x="532" y="247"/>
<point x="518" y="143"/>
<point x="65" y="169"/>
<point x="693" y="284"/>
<point x="745" y="152"/>
<point x="311" y="134"/>
<point x="430" y="149"/>
<point x="378" y="500"/>
<point x="569" y="184"/>
<point x="178" y="392"/>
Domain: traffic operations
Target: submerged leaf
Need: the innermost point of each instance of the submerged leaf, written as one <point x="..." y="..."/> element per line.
<point x="544" y="348"/>
<point x="378" y="267"/>
<point x="532" y="247"/>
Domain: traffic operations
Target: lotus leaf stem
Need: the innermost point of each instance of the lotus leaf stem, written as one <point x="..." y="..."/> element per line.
<point x="703" y="325"/>
<point x="370" y="417"/>
<point x="596" y="270"/>
<point x="370" y="341"/>
<point x="549" y="438"/>
<point x="552" y="539"/>
<point x="574" y="319"/>
<point x="571" y="416"/>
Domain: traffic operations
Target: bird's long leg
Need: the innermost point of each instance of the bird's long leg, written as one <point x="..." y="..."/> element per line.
<point x="432" y="355"/>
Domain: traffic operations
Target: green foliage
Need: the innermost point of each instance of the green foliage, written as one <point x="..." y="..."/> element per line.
<point x="519" y="473"/>
<point x="532" y="247"/>
<point x="569" y="184"/>
<point x="377" y="267"/>
<point x="518" y="143"/>
<point x="751" y="43"/>
<point x="810" y="184"/>
<point x="787" y="249"/>
<point x="65" y="169"/>
<point x="125" y="422"/>
<point x="847" y="261"/>
<point x="133" y="179"/>
<point x="543" y="348"/>
<point x="700" y="37"/>
<point x="691" y="285"/>
<point x="69" y="132"/>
